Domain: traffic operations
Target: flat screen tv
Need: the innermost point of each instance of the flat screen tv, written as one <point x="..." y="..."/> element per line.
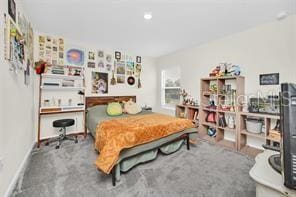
<point x="288" y="134"/>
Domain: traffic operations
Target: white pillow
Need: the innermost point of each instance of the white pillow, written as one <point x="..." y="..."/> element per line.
<point x="131" y="107"/>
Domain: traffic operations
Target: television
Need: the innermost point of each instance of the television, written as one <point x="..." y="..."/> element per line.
<point x="288" y="134"/>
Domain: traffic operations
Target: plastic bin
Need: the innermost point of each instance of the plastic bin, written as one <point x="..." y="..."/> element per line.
<point x="254" y="125"/>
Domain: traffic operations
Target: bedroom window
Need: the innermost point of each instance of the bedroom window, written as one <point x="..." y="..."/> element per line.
<point x="170" y="87"/>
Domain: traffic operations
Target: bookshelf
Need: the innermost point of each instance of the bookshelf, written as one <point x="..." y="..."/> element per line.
<point x="220" y="97"/>
<point x="188" y="112"/>
<point x="266" y="137"/>
<point x="59" y="94"/>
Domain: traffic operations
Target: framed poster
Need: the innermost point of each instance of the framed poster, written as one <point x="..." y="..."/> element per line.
<point x="99" y="83"/>
<point x="269" y="79"/>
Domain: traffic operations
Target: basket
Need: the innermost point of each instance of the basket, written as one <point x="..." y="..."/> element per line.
<point x="254" y="125"/>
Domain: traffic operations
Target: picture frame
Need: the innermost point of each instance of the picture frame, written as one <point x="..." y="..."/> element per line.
<point x="12" y="9"/>
<point x="117" y="55"/>
<point x="139" y="59"/>
<point x="269" y="79"/>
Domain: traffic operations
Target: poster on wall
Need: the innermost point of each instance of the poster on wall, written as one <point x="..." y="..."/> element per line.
<point x="130" y="68"/>
<point x="269" y="79"/>
<point x="120" y="67"/>
<point x="51" y="49"/>
<point x="99" y="83"/>
<point x="120" y="79"/>
<point x="75" y="57"/>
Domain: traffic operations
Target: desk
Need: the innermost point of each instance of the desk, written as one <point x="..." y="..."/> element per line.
<point x="268" y="181"/>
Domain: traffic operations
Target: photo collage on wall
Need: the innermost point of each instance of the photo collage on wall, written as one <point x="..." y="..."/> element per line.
<point x="51" y="49"/>
<point x="123" y="69"/>
<point x="18" y="45"/>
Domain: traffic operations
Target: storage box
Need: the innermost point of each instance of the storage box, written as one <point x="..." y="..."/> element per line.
<point x="254" y="125"/>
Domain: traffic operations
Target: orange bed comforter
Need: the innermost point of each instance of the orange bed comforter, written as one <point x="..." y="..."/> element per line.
<point x="112" y="136"/>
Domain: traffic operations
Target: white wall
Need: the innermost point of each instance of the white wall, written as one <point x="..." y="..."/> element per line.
<point x="16" y="132"/>
<point x="145" y="95"/>
<point x="267" y="48"/>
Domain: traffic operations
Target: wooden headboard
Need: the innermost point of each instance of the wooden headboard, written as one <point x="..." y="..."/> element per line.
<point x="104" y="100"/>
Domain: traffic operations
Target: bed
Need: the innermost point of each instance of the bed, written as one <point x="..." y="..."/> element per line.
<point x="142" y="153"/>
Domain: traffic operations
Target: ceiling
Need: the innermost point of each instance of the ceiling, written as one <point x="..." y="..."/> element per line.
<point x="176" y="24"/>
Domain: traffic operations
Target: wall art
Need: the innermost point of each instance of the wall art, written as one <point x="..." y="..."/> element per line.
<point x="130" y="66"/>
<point x="91" y="64"/>
<point x="120" y="68"/>
<point x="138" y="70"/>
<point x="131" y="80"/>
<point x="12" y="9"/>
<point x="138" y="59"/>
<point x="99" y="83"/>
<point x="109" y="58"/>
<point x="120" y="79"/>
<point x="101" y="64"/>
<point x="101" y="54"/>
<point x="75" y="57"/>
<point x="117" y="55"/>
<point x="270" y="79"/>
<point x="91" y="55"/>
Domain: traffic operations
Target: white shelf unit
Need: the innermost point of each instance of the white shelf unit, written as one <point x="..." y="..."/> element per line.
<point x="58" y="91"/>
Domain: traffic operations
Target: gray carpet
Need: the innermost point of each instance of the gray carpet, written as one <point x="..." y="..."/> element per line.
<point x="206" y="170"/>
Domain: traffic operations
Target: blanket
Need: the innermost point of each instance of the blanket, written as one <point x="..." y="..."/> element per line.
<point x="112" y="136"/>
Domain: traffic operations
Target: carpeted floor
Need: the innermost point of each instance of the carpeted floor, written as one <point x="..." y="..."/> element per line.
<point x="206" y="171"/>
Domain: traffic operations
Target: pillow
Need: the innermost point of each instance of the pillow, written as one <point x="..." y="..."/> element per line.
<point x="131" y="107"/>
<point x="114" y="109"/>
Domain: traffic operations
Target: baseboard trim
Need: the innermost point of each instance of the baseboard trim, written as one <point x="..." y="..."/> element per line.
<point x="23" y="164"/>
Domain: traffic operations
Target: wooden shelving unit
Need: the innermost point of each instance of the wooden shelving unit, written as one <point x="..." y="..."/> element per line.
<point x="188" y="112"/>
<point x="220" y="97"/>
<point x="265" y="136"/>
<point x="57" y="90"/>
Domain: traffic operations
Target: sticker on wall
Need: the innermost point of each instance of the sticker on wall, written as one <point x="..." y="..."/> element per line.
<point x="75" y="57"/>
<point x="99" y="83"/>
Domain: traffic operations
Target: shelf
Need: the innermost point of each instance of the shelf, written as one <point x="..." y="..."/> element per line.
<point x="227" y="143"/>
<point x="261" y="135"/>
<point x="208" y="138"/>
<point x="227" y="129"/>
<point x="210" y="93"/>
<point x="209" y="124"/>
<point x="210" y="110"/>
<point x="222" y="78"/>
<point x="61" y="112"/>
<point x="252" y="152"/>
<point x="61" y="88"/>
<point x="57" y="76"/>
<point x="188" y="106"/>
<point x="260" y="115"/>
<point x="227" y="112"/>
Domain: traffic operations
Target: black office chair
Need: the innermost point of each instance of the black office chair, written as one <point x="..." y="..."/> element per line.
<point x="63" y="124"/>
